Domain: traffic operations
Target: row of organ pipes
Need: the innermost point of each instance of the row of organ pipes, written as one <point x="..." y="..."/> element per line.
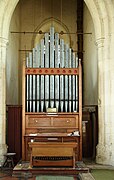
<point x="52" y="91"/>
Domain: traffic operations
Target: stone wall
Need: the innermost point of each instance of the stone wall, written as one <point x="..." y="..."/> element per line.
<point x="12" y="60"/>
<point x="90" y="62"/>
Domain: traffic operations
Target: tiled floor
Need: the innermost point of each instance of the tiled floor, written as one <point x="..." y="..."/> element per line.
<point x="6" y="174"/>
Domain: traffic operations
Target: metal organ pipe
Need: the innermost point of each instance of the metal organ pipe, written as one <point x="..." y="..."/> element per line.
<point x="49" y="90"/>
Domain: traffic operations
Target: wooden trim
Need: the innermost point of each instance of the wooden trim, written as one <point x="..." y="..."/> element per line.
<point x="23" y="110"/>
<point x="80" y="108"/>
<point x="52" y="71"/>
<point x="52" y="114"/>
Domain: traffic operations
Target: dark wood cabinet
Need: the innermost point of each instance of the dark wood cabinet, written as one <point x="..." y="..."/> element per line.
<point x="14" y="131"/>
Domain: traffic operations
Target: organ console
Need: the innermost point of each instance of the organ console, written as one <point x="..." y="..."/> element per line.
<point x="52" y="104"/>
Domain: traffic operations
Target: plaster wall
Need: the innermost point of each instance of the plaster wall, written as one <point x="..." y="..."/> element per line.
<point x="90" y="90"/>
<point x="34" y="14"/>
<point x="12" y="61"/>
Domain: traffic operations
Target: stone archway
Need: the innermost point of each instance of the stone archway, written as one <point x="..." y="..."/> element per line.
<point x="102" y="15"/>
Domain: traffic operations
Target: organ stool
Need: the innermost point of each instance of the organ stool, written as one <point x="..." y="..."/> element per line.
<point x="9" y="162"/>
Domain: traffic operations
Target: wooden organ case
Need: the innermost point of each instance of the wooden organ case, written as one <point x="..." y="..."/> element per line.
<point x="52" y="104"/>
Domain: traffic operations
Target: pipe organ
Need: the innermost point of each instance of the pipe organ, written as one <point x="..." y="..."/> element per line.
<point x="52" y="103"/>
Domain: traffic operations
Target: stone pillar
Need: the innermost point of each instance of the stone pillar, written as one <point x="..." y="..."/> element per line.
<point x="111" y="137"/>
<point x="3" y="146"/>
<point x="104" y="143"/>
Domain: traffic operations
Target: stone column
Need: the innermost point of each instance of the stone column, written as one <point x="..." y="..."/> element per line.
<point x="3" y="146"/>
<point x="111" y="137"/>
<point x="104" y="143"/>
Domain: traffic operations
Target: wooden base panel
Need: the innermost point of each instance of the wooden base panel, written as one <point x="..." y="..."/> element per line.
<point x="65" y="163"/>
<point x="23" y="169"/>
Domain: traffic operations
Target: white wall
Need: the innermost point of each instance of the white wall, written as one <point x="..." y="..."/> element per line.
<point x="12" y="61"/>
<point x="90" y="89"/>
<point x="34" y="14"/>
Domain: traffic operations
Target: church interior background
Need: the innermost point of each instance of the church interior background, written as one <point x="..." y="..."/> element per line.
<point x="96" y="20"/>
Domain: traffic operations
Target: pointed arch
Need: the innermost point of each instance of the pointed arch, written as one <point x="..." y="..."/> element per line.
<point x="95" y="16"/>
<point x="6" y="8"/>
<point x="45" y="26"/>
